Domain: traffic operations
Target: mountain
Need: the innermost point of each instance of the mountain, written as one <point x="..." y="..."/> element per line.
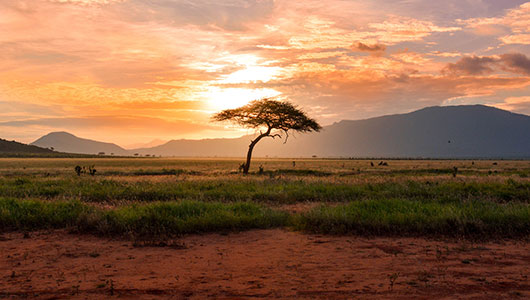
<point x="466" y="131"/>
<point x="153" y="143"/>
<point x="206" y="147"/>
<point x="66" y="142"/>
<point x="12" y="147"/>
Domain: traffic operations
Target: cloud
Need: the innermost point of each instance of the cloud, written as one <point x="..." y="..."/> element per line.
<point x="398" y="29"/>
<point x="516" y="63"/>
<point x="369" y="48"/>
<point x="320" y="33"/>
<point x="116" y="125"/>
<point x="474" y="65"/>
<point x="179" y="60"/>
<point x="515" y="104"/>
<point x="445" y="54"/>
<point x="523" y="39"/>
<point x="515" y="20"/>
<point x="229" y="15"/>
<point x="87" y="2"/>
<point x="359" y="93"/>
<point x="471" y="65"/>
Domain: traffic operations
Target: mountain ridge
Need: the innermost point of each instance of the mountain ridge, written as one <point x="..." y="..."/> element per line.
<point x="464" y="131"/>
<point x="63" y="141"/>
<point x="13" y="147"/>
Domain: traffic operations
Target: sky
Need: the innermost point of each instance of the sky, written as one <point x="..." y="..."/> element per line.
<point x="132" y="71"/>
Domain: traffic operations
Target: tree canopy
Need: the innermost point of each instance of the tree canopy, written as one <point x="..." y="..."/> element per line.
<point x="271" y="114"/>
<point x="268" y="114"/>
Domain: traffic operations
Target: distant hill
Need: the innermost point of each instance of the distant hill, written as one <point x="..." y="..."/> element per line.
<point x="467" y="131"/>
<point x="153" y="143"/>
<point x="12" y="147"/>
<point x="206" y="147"/>
<point x="66" y="142"/>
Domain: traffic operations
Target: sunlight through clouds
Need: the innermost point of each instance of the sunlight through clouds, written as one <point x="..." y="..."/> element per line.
<point x="222" y="98"/>
<point x="177" y="60"/>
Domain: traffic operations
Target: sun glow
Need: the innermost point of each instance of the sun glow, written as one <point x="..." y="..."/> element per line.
<point x="252" y="74"/>
<point x="225" y="98"/>
<point x="97" y="67"/>
<point x="219" y="97"/>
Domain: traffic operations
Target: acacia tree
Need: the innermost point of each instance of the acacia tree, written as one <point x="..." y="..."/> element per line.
<point x="271" y="117"/>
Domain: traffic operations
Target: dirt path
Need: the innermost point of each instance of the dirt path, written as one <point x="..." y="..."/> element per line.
<point x="260" y="264"/>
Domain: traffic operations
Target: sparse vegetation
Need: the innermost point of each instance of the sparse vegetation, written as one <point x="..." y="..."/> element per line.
<point x="147" y="196"/>
<point x="261" y="189"/>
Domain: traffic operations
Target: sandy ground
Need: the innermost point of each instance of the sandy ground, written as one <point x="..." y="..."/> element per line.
<point x="260" y="264"/>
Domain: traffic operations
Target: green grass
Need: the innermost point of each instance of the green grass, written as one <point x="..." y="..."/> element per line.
<point x="473" y="219"/>
<point x="160" y="197"/>
<point x="33" y="214"/>
<point x="153" y="219"/>
<point x="282" y="191"/>
<point x="296" y="172"/>
<point x="156" y="172"/>
<point x="477" y="219"/>
<point x="323" y="168"/>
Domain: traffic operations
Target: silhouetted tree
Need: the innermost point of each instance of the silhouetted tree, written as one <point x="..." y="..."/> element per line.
<point x="272" y="117"/>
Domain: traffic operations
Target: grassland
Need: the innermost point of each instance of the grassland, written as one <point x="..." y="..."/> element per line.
<point x="161" y="197"/>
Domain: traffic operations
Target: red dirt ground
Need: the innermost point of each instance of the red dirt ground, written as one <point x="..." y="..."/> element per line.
<point x="260" y="264"/>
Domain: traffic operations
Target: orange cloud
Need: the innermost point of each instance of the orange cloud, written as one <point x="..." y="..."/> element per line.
<point x="87" y="2"/>
<point x="516" y="104"/>
<point x="516" y="20"/>
<point x="473" y="65"/>
<point x="151" y="63"/>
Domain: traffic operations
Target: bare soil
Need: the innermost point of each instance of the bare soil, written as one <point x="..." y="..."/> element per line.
<point x="260" y="264"/>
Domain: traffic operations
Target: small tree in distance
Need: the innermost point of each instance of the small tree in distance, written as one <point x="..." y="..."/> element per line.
<point x="272" y="117"/>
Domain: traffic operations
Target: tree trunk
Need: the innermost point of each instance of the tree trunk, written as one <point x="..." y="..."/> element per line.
<point x="251" y="147"/>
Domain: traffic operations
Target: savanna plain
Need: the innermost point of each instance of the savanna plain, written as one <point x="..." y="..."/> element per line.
<point x="159" y="228"/>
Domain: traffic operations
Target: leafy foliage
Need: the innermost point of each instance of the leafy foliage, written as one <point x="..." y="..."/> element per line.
<point x="270" y="114"/>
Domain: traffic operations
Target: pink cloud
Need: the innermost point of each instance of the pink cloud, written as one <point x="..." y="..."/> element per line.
<point x="178" y="61"/>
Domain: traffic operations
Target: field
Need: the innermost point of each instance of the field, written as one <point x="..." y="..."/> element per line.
<point x="425" y="226"/>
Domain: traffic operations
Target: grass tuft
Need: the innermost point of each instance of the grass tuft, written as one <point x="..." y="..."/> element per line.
<point x="154" y="219"/>
<point x="270" y="191"/>
<point x="406" y="217"/>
